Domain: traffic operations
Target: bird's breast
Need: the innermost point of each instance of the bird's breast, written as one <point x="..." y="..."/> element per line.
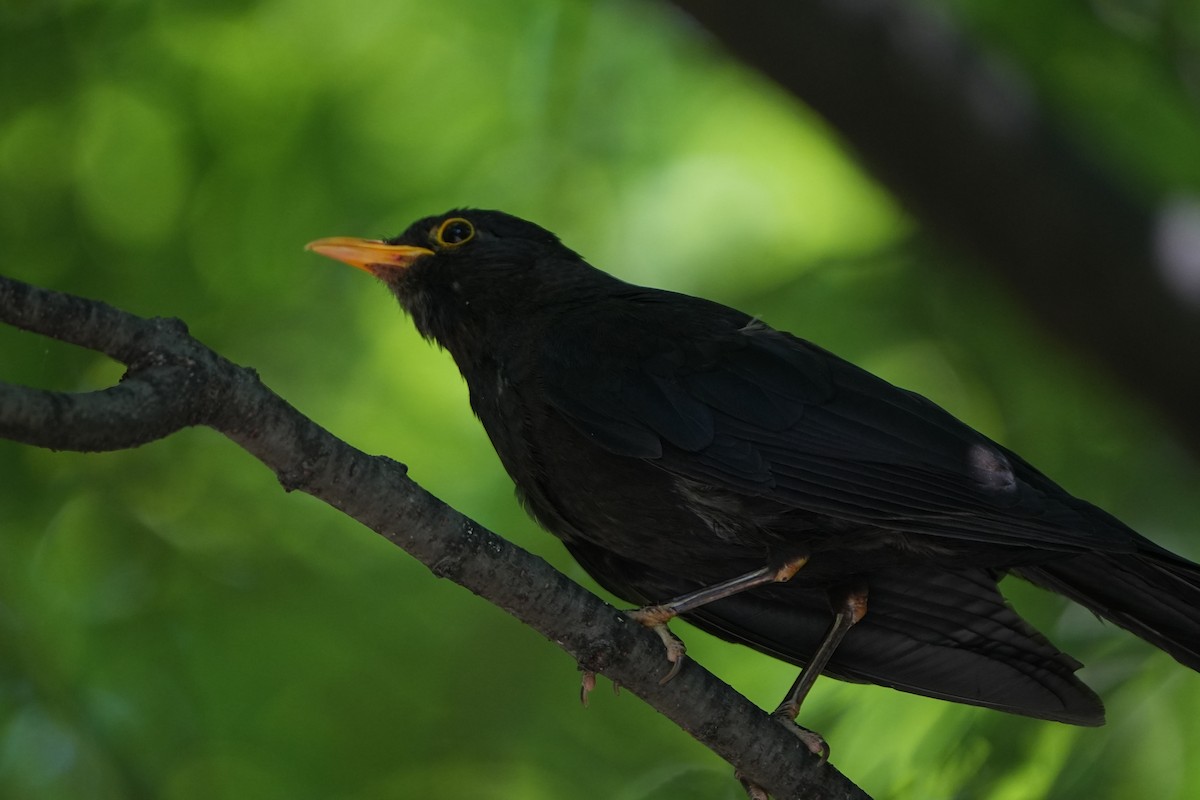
<point x="580" y="491"/>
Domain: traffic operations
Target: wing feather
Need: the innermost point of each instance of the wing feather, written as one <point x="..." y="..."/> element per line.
<point x="758" y="412"/>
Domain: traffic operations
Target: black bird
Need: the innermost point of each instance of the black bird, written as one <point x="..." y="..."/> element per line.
<point x="776" y="495"/>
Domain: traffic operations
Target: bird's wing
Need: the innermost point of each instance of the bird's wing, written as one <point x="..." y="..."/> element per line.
<point x="939" y="633"/>
<point x="750" y="410"/>
<point x="948" y="635"/>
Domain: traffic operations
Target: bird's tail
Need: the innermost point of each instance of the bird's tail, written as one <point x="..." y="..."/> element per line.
<point x="1153" y="593"/>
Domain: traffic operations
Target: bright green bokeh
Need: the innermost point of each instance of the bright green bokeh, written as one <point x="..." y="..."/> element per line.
<point x="172" y="624"/>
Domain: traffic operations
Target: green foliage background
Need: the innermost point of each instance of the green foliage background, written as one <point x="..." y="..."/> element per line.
<point x="173" y="625"/>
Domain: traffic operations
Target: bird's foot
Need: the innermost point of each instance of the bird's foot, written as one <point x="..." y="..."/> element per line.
<point x="753" y="790"/>
<point x="655" y="618"/>
<point x="814" y="741"/>
<point x="586" y="685"/>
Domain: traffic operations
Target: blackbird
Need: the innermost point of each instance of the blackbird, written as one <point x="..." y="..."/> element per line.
<point x="690" y="456"/>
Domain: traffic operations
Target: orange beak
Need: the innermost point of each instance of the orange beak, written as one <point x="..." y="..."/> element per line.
<point x="368" y="255"/>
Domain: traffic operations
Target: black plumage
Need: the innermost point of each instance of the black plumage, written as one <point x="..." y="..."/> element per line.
<point x="673" y="443"/>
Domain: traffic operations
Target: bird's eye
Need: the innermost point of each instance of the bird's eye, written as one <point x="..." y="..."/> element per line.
<point x="454" y="232"/>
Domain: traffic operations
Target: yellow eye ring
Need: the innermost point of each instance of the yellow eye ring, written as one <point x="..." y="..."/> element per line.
<point x="454" y="232"/>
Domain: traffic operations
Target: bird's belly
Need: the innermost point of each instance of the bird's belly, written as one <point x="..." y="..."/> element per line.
<point x="637" y="512"/>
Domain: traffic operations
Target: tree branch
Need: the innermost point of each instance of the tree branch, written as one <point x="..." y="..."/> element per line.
<point x="966" y="149"/>
<point x="174" y="381"/>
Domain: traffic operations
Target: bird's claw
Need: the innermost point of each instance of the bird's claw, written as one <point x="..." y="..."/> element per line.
<point x="587" y="684"/>
<point x="655" y="618"/>
<point x="676" y="651"/>
<point x="753" y="790"/>
<point x="814" y="741"/>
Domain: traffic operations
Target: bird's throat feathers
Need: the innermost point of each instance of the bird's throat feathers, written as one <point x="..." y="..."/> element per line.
<point x="473" y="306"/>
<point x="439" y="311"/>
<point x="474" y="309"/>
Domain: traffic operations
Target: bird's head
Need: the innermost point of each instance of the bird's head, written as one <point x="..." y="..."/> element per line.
<point x="468" y="274"/>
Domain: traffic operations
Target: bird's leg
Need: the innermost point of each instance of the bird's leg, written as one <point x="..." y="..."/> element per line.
<point x="850" y="607"/>
<point x="656" y="617"/>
